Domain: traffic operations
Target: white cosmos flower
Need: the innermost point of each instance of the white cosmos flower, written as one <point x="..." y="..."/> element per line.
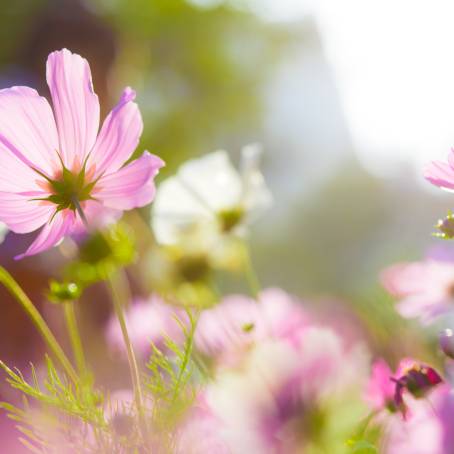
<point x="209" y="191"/>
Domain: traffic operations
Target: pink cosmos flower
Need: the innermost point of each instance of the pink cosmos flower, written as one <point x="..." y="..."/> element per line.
<point x="425" y="289"/>
<point x="55" y="169"/>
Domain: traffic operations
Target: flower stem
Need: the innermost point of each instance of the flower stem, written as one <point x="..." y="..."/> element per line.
<point x="74" y="337"/>
<point x="118" y="288"/>
<point x="13" y="287"/>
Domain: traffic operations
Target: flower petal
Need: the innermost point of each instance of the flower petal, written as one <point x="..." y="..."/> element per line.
<point x="28" y="138"/>
<point x="213" y="179"/>
<point x="202" y="187"/>
<point x="130" y="187"/>
<point x="22" y="215"/>
<point x="97" y="215"/>
<point x="51" y="234"/>
<point x="176" y="210"/>
<point x="119" y="136"/>
<point x="440" y="174"/>
<point x="76" y="105"/>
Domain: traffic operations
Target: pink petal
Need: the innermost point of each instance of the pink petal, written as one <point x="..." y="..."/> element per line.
<point x="380" y="388"/>
<point x="28" y="138"/>
<point x="119" y="136"/>
<point x="97" y="215"/>
<point x="50" y="234"/>
<point x="403" y="279"/>
<point x="440" y="174"/>
<point x="132" y="186"/>
<point x="22" y="215"/>
<point x="76" y="105"/>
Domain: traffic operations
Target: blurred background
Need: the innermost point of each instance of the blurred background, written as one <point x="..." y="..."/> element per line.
<point x="349" y="99"/>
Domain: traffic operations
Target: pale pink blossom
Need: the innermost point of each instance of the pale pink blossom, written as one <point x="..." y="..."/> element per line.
<point x="277" y="401"/>
<point x="201" y="431"/>
<point x="149" y="321"/>
<point x="424" y="289"/>
<point x="55" y="168"/>
<point x="239" y="322"/>
<point x="428" y="429"/>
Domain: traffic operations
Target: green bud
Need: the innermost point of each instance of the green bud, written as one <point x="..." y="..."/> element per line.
<point x="60" y="292"/>
<point x="446" y="227"/>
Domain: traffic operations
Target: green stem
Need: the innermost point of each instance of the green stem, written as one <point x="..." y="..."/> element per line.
<point x="13" y="287"/>
<point x="118" y="288"/>
<point x="251" y="276"/>
<point x="74" y="337"/>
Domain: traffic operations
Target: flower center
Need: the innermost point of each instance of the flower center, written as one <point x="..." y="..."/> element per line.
<point x="230" y="218"/>
<point x="69" y="189"/>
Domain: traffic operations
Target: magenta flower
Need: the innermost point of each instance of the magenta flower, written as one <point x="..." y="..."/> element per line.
<point x="56" y="171"/>
<point x="425" y="289"/>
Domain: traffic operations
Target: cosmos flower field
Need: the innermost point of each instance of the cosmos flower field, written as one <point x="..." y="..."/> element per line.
<point x="206" y="370"/>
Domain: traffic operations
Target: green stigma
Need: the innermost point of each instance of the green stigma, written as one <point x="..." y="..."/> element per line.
<point x="230" y="218"/>
<point x="69" y="190"/>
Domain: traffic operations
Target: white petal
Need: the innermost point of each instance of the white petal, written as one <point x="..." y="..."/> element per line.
<point x="213" y="180"/>
<point x="175" y="211"/>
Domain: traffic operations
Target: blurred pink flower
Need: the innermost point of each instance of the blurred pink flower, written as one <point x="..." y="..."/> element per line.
<point x="428" y="430"/>
<point x="54" y="165"/>
<point x="149" y="321"/>
<point x="425" y="289"/>
<point x="381" y="388"/>
<point x="201" y="432"/>
<point x="386" y="390"/>
<point x="239" y="322"/>
<point x="276" y="402"/>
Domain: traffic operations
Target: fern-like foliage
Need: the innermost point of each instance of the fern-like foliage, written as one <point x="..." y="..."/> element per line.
<point x="58" y="413"/>
<point x="169" y="382"/>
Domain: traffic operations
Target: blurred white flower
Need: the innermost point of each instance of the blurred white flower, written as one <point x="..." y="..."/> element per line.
<point x="209" y="192"/>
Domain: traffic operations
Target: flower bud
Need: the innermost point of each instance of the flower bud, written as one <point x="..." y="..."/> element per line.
<point x="421" y="379"/>
<point x="60" y="292"/>
<point x="418" y="380"/>
<point x="446" y="227"/>
<point x="446" y="342"/>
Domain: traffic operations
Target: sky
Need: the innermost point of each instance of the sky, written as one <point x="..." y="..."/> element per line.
<point x="393" y="64"/>
<point x="394" y="69"/>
